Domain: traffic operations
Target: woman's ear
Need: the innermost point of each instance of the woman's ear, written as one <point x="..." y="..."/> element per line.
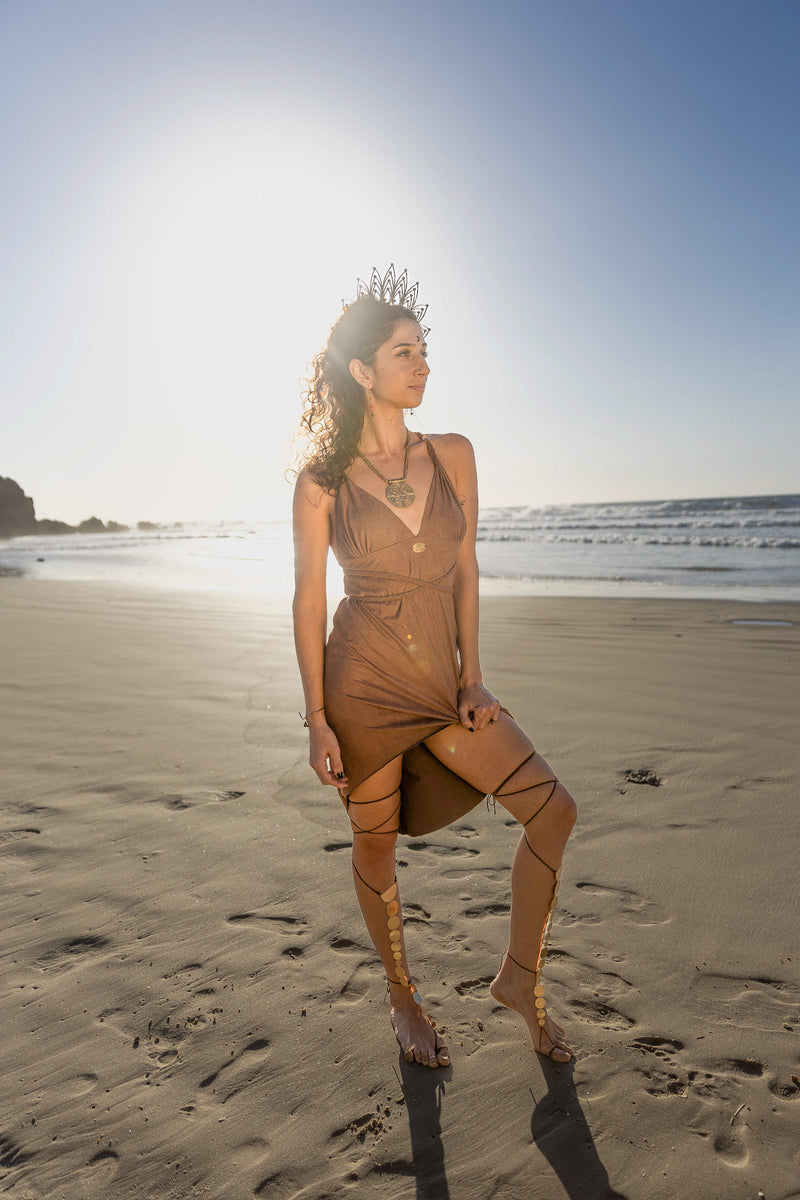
<point x="360" y="373"/>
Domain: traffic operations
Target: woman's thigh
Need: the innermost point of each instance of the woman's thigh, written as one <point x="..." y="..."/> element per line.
<point x="374" y="806"/>
<point x="497" y="755"/>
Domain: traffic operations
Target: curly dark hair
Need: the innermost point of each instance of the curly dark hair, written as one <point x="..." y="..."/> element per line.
<point x="334" y="404"/>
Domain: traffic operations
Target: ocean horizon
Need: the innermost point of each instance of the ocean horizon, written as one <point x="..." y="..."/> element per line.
<point x="739" y="547"/>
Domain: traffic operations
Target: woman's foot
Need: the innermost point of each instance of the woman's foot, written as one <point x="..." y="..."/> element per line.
<point x="512" y="988"/>
<point x="415" y="1031"/>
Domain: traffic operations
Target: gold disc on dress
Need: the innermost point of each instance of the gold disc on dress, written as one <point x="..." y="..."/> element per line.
<point x="393" y="922"/>
<point x="418" y="547"/>
<point x="540" y="1001"/>
<point x="538" y="990"/>
<point x="392" y="908"/>
<point x="400" y="494"/>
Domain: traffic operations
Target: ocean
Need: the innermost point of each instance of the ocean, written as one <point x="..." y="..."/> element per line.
<point x="740" y="547"/>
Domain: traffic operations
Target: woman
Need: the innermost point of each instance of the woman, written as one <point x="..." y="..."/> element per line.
<point x="399" y="719"/>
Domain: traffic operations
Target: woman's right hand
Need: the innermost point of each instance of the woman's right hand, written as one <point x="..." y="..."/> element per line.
<point x="324" y="754"/>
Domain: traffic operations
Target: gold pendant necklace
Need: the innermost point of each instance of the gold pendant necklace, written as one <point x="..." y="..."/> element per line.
<point x="399" y="493"/>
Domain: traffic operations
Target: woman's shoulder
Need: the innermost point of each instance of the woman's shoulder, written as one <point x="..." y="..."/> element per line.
<point x="308" y="488"/>
<point x="453" y="449"/>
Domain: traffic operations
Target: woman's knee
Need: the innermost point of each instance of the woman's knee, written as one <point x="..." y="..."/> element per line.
<point x="557" y="815"/>
<point x="374" y="848"/>
<point x="566" y="810"/>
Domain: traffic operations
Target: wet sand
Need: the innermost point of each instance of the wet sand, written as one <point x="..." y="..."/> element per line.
<point x="189" y="1003"/>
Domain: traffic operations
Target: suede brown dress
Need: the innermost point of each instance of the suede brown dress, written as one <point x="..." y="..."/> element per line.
<point x="391" y="661"/>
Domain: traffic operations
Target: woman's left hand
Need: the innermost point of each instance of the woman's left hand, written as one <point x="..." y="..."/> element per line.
<point x="477" y="707"/>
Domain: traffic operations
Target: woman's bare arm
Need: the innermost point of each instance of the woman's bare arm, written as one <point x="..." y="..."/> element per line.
<point x="312" y="516"/>
<point x="476" y="706"/>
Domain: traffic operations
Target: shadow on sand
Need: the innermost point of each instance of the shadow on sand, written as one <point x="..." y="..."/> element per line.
<point x="424" y="1091"/>
<point x="558" y="1127"/>
<point x="560" y="1130"/>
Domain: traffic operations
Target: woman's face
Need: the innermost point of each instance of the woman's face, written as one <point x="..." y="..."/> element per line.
<point x="399" y="371"/>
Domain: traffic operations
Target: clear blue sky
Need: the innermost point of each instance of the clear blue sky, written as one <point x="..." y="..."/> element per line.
<point x="599" y="197"/>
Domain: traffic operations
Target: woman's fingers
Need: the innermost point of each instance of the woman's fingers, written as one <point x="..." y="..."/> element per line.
<point x="467" y="716"/>
<point x="477" y="707"/>
<point x="486" y="714"/>
<point x="327" y="775"/>
<point x="326" y="759"/>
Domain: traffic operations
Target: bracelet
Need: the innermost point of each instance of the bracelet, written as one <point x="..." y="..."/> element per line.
<point x="304" y="718"/>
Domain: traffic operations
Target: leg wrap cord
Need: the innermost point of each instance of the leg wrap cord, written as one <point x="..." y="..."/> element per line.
<point x="544" y="944"/>
<point x="348" y="803"/>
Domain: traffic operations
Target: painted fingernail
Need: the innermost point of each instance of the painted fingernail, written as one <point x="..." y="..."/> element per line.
<point x="340" y="774"/>
<point x="469" y="727"/>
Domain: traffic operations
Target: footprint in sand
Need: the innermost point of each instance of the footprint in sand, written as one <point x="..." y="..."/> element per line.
<point x="444" y="851"/>
<point x="783" y="1090"/>
<point x="193" y="799"/>
<point x="730" y="1143"/>
<point x="237" y="1073"/>
<point x="475" y="987"/>
<point x="251" y="1153"/>
<point x="10" y="837"/>
<point x="491" y="877"/>
<point x="415" y="913"/>
<point x="67" y="954"/>
<point x="488" y="910"/>
<point x="716" y="1091"/>
<point x="289" y="926"/>
<point x="749" y="1003"/>
<point x="78" y="1085"/>
<point x="464" y="831"/>
<point x="595" y="1012"/>
<point x="664" y="1076"/>
<point x="11" y="1155"/>
<point x="631" y="906"/>
<point x="358" y="984"/>
<point x="103" y="1163"/>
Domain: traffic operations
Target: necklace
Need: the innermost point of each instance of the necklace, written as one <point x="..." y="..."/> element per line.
<point x="399" y="493"/>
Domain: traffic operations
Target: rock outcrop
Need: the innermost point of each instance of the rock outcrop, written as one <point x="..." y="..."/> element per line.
<point x="17" y="513"/>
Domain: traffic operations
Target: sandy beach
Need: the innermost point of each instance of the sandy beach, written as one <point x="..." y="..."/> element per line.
<point x="190" y="1005"/>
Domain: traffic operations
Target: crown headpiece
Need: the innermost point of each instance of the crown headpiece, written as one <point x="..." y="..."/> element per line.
<point x="394" y="289"/>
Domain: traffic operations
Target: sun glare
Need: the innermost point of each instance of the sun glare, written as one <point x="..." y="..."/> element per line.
<point x="223" y="250"/>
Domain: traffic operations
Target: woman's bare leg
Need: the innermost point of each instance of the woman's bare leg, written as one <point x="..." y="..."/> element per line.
<point x="543" y="806"/>
<point x="535" y="873"/>
<point x="374" y="811"/>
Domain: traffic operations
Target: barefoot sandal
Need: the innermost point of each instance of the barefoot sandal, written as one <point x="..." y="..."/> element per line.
<point x="544" y="945"/>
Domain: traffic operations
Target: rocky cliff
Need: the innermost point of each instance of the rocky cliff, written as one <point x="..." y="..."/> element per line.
<point x="17" y="514"/>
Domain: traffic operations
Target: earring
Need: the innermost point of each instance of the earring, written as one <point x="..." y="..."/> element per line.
<point x="371" y="405"/>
